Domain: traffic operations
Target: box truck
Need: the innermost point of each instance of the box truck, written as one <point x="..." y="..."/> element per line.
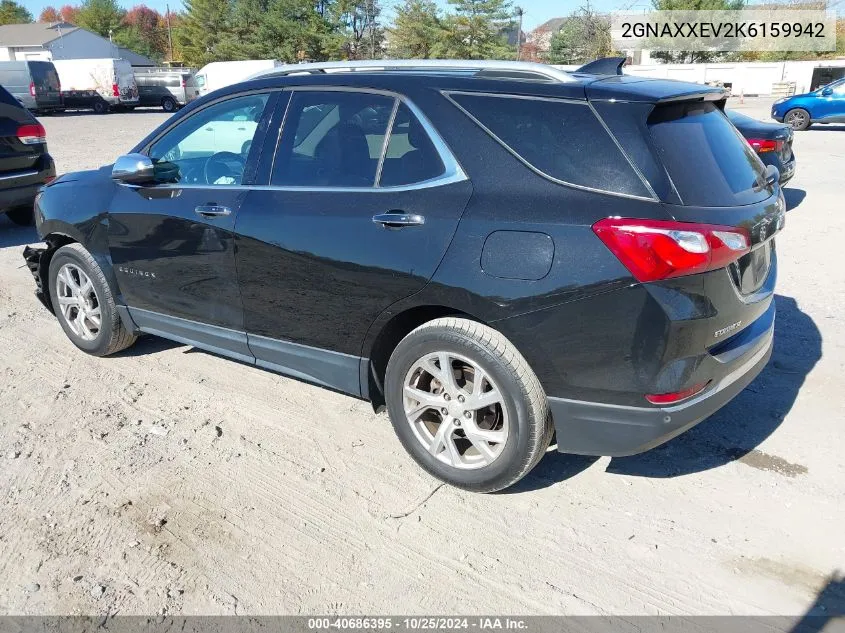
<point x="97" y="84"/>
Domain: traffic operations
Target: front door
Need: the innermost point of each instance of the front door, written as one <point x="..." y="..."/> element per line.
<point x="831" y="106"/>
<point x="172" y="243"/>
<point x="346" y="228"/>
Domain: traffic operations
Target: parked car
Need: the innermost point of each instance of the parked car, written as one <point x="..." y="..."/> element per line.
<point x="25" y="164"/>
<point x="97" y="84"/>
<point x="771" y="141"/>
<point x="169" y="88"/>
<point x="495" y="251"/>
<point x="221" y="74"/>
<point x="33" y="83"/>
<point x="825" y="105"/>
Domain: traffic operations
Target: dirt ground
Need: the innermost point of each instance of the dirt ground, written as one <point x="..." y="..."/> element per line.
<point x="168" y="480"/>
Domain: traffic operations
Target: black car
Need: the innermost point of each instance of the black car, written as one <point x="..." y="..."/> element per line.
<point x="495" y="251"/>
<point x="25" y="164"/>
<point x="771" y="141"/>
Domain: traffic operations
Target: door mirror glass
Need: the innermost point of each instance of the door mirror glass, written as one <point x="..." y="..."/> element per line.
<point x="135" y="169"/>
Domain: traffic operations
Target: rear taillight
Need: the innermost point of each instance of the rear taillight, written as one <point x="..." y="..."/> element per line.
<point x="32" y="88"/>
<point x="676" y="396"/>
<point x="32" y="134"/>
<point x="661" y="249"/>
<point x="115" y="90"/>
<point x="762" y="145"/>
<point x="183" y="84"/>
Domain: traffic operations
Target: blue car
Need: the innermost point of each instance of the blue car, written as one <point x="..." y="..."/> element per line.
<point x="825" y="105"/>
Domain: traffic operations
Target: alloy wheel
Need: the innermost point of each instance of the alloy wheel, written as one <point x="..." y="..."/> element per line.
<point x="456" y="410"/>
<point x="78" y="302"/>
<point x="796" y="119"/>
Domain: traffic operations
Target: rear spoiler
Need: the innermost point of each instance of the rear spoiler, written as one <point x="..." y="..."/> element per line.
<point x="647" y="90"/>
<point x="604" y="66"/>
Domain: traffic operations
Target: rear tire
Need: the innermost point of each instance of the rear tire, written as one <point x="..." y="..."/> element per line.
<point x="84" y="304"/>
<point x="798" y="119"/>
<point x="101" y="107"/>
<point x="22" y="216"/>
<point x="168" y="104"/>
<point x="485" y="447"/>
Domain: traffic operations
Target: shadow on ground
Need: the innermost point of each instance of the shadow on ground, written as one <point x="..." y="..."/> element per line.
<point x="793" y="197"/>
<point x="829" y="604"/>
<point x="822" y="127"/>
<point x="732" y="433"/>
<point x="13" y="235"/>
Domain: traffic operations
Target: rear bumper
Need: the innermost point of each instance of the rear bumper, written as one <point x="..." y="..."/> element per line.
<point x="589" y="428"/>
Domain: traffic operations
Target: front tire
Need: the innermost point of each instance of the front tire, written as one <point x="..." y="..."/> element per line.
<point x="466" y="405"/>
<point x="100" y="107"/>
<point x="798" y="119"/>
<point x="84" y="304"/>
<point x="22" y="216"/>
<point x="169" y="104"/>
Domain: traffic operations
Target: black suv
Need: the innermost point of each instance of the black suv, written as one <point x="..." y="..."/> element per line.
<point x="25" y="164"/>
<point x="495" y="251"/>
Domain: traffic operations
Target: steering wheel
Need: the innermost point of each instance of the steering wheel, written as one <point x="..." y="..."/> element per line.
<point x="224" y="164"/>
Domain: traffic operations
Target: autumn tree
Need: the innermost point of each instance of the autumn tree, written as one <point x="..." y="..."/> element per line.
<point x="49" y="15"/>
<point x="582" y="38"/>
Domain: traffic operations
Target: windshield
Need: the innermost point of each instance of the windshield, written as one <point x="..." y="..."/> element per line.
<point x="710" y="163"/>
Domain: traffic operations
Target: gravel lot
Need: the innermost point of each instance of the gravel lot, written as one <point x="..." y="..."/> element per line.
<point x="168" y="480"/>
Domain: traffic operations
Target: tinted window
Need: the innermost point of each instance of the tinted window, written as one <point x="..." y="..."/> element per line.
<point x="561" y="139"/>
<point x="411" y="156"/>
<point x="211" y="146"/>
<point x="332" y="139"/>
<point x="709" y="161"/>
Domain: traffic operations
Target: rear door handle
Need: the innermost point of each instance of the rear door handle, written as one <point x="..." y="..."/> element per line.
<point x="397" y="219"/>
<point x="212" y="210"/>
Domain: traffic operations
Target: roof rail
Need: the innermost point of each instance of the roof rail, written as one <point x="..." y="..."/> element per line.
<point x="509" y="69"/>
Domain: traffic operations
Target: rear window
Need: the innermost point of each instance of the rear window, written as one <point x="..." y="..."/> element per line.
<point x="44" y="75"/>
<point x="709" y="161"/>
<point x="561" y="139"/>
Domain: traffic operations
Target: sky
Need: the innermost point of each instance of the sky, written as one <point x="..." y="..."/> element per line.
<point x="536" y="11"/>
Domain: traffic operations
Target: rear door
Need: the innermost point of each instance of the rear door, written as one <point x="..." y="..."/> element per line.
<point x="45" y="81"/>
<point x="351" y="222"/>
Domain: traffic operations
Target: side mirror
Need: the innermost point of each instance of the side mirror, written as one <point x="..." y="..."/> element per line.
<point x="827" y="92"/>
<point x="133" y="169"/>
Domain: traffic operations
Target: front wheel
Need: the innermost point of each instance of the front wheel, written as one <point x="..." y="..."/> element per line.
<point x="169" y="104"/>
<point x="798" y="119"/>
<point x="83" y="303"/>
<point x="466" y="405"/>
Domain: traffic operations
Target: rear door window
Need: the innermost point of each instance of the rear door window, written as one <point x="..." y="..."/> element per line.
<point x="332" y="139"/>
<point x="411" y="156"/>
<point x="708" y="160"/>
<point x="561" y="139"/>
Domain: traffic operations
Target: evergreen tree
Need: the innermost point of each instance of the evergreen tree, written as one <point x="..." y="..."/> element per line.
<point x="13" y="13"/>
<point x="204" y="30"/>
<point x="416" y="30"/>
<point x="103" y="17"/>
<point x="475" y="30"/>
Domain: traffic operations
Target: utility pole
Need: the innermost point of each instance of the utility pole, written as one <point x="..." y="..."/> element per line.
<point x="518" y="11"/>
<point x="169" y="31"/>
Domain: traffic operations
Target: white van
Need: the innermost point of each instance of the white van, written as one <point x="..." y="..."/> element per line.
<point x="220" y="74"/>
<point x="97" y="84"/>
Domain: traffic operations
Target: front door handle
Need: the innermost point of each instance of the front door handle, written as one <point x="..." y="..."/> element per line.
<point x="212" y="210"/>
<point x="398" y="219"/>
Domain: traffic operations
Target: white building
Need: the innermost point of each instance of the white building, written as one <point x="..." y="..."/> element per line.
<point x="40" y="41"/>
